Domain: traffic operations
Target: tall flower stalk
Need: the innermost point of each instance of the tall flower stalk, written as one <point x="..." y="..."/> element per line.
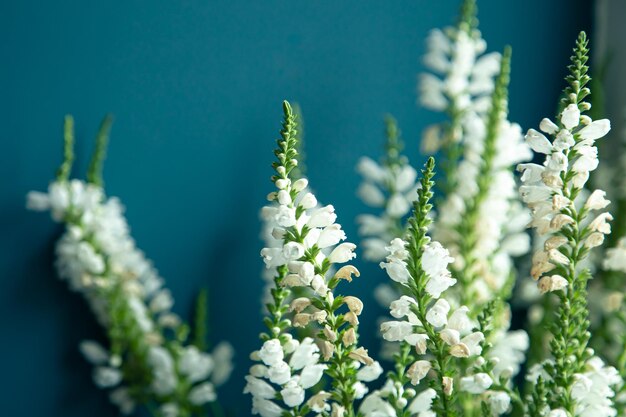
<point x="483" y="221"/>
<point x="389" y="186"/>
<point x="432" y="338"/>
<point x="459" y="81"/>
<point x="480" y="217"/>
<point x="150" y="360"/>
<point x="286" y="366"/>
<point x="576" y="382"/>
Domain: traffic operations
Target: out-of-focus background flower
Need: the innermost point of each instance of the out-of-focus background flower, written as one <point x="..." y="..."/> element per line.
<point x="196" y="89"/>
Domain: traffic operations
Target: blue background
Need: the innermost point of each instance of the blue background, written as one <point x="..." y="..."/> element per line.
<point x="196" y="88"/>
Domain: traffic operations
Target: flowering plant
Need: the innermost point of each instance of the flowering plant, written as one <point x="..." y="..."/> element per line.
<point x="150" y="359"/>
<point x="305" y="250"/>
<point x="454" y="249"/>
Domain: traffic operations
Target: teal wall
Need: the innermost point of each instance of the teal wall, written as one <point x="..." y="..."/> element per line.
<point x="196" y="88"/>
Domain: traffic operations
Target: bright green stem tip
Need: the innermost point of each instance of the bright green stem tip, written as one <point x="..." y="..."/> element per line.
<point x="63" y="173"/>
<point x="94" y="173"/>
<point x="468" y="20"/>
<point x="287" y="110"/>
<point x="578" y="76"/>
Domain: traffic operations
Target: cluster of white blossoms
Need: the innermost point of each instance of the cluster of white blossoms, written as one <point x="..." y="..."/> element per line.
<point x="427" y="328"/>
<point x="318" y="232"/>
<point x="572" y="223"/>
<point x="385" y="401"/>
<point x="550" y="190"/>
<point x="481" y="219"/>
<point x="461" y="82"/>
<point x="99" y="259"/>
<point x="454" y="329"/>
<point x="390" y="186"/>
<point x="500" y="218"/>
<point x="462" y="74"/>
<point x="300" y="372"/>
<point x="593" y="390"/>
<point x="286" y="370"/>
<point x="307" y="246"/>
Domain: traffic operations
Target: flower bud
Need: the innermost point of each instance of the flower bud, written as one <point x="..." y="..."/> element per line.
<point x="349" y="337"/>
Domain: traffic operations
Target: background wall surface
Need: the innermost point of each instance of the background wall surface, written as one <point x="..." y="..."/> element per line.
<point x="196" y="88"/>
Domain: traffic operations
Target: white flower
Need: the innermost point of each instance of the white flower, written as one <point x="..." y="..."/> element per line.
<point x="418" y="370"/>
<point x="600" y="223"/>
<point x="597" y="200"/>
<point x="330" y="236"/>
<point x="402" y="307"/>
<point x="423" y="401"/>
<point x="202" y="394"/>
<point x="595" y="130"/>
<point x="375" y="406"/>
<point x="476" y="384"/>
<point x="538" y="142"/>
<point x="369" y="373"/>
<point x="616" y="257"/>
<point x="305" y="354"/>
<point x="169" y="410"/>
<point x="322" y="217"/>
<point x="342" y="253"/>
<point x="587" y="159"/>
<point x="106" y="377"/>
<point x="371" y="195"/>
<point x="594" y="389"/>
<point x="435" y="260"/>
<point x="94" y="352"/>
<point x="311" y="375"/>
<point x="265" y="408"/>
<point x="285" y="216"/>
<point x="396" y="270"/>
<point x="570" y="116"/>
<point x="293" y="251"/>
<point x="308" y="201"/>
<point x="162" y="301"/>
<point x="279" y="373"/>
<point x="473" y="342"/>
<point x="259" y="388"/>
<point x="272" y="352"/>
<point x="293" y="394"/>
<point x="398" y="205"/>
<point x="509" y="348"/>
<point x="551" y="283"/>
<point x="437" y="314"/>
<point x="194" y="364"/>
<point x="164" y="379"/>
<point x="121" y="398"/>
<point x="499" y="402"/>
<point x="369" y="169"/>
<point x="406" y="178"/>
<point x="396" y="331"/>
<point x="223" y="363"/>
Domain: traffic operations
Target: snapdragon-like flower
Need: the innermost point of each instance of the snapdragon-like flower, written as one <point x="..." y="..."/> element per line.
<point x="461" y="76"/>
<point x="390" y="186"/>
<point x="481" y="220"/>
<point x="431" y="333"/>
<point x="460" y="82"/>
<point x="572" y="226"/>
<point x="99" y="259"/>
<point x="306" y="256"/>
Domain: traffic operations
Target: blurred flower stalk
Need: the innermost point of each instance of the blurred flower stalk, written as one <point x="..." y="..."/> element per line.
<point x="149" y="359"/>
